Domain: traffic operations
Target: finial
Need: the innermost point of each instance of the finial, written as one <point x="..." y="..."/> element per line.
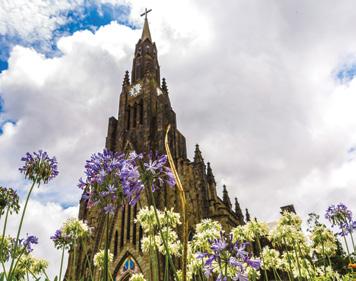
<point x="197" y="154"/>
<point x="226" y="198"/>
<point x="164" y="85"/>
<point x="248" y="217"/>
<point x="238" y="211"/>
<point x="126" y="79"/>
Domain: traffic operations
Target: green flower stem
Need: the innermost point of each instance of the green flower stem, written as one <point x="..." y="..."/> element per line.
<point x="4" y="270"/>
<point x="290" y="272"/>
<point x="156" y="263"/>
<point x="304" y="261"/>
<point x="274" y="274"/>
<point x="106" y="255"/>
<point x="260" y="250"/>
<point x="44" y="272"/>
<point x="74" y="259"/>
<point x="161" y="233"/>
<point x="3" y="237"/>
<point x="348" y="253"/>
<point x="61" y="267"/>
<point x="88" y="262"/>
<point x="352" y="240"/>
<point x="324" y="259"/>
<point x="297" y="259"/>
<point x="20" y="227"/>
<point x="166" y="272"/>
<point x="4" y="228"/>
<point x="279" y="277"/>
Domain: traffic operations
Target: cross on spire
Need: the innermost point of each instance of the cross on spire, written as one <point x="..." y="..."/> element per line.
<point x="146" y="30"/>
<point x="146" y="12"/>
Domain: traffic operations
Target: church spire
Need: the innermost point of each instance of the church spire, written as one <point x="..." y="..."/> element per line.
<point x="248" y="217"/>
<point x="209" y="173"/>
<point x="238" y="211"/>
<point x="146" y="34"/>
<point x="145" y="63"/>
<point x="197" y="155"/>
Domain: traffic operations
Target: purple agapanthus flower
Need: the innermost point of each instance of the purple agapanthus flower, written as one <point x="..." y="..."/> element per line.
<point x="228" y="254"/>
<point x="112" y="178"/>
<point x="39" y="167"/>
<point x="28" y="242"/>
<point x="341" y="216"/>
<point x="158" y="171"/>
<point x="109" y="209"/>
<point x="59" y="240"/>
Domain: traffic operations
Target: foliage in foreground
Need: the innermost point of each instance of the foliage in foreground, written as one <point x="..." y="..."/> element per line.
<point x="253" y="251"/>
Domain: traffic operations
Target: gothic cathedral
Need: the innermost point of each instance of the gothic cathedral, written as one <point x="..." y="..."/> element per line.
<point x="144" y="114"/>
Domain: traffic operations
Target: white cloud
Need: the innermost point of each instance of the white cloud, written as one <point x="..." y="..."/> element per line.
<point x="252" y="82"/>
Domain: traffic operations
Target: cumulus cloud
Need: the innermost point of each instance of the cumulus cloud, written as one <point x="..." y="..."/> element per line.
<point x="256" y="84"/>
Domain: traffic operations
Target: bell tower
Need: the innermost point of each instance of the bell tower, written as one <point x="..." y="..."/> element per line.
<point x="144" y="109"/>
<point x="145" y="59"/>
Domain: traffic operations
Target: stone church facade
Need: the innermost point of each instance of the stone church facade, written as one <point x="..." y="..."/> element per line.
<point x="145" y="112"/>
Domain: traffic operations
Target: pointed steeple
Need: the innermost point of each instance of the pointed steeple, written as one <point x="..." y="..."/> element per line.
<point x="197" y="155"/>
<point x="248" y="217"/>
<point x="126" y="79"/>
<point x="226" y="198"/>
<point x="238" y="211"/>
<point x="146" y="34"/>
<point x="145" y="62"/>
<point x="164" y="85"/>
<point x="210" y="175"/>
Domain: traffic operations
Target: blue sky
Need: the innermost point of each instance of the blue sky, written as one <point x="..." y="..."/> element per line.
<point x="90" y="16"/>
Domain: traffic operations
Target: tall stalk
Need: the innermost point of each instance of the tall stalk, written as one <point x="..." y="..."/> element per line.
<point x="260" y="251"/>
<point x="106" y="254"/>
<point x="3" y="237"/>
<point x="160" y="231"/>
<point x="297" y="259"/>
<point x="19" y="229"/>
<point x="61" y="267"/>
<point x="183" y="204"/>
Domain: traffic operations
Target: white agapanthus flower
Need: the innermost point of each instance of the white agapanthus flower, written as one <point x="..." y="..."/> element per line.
<point x="99" y="259"/>
<point x="206" y="231"/>
<point x="75" y="229"/>
<point x="254" y="229"/>
<point x="271" y="259"/>
<point x="324" y="241"/>
<point x="147" y="219"/>
<point x="137" y="277"/>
